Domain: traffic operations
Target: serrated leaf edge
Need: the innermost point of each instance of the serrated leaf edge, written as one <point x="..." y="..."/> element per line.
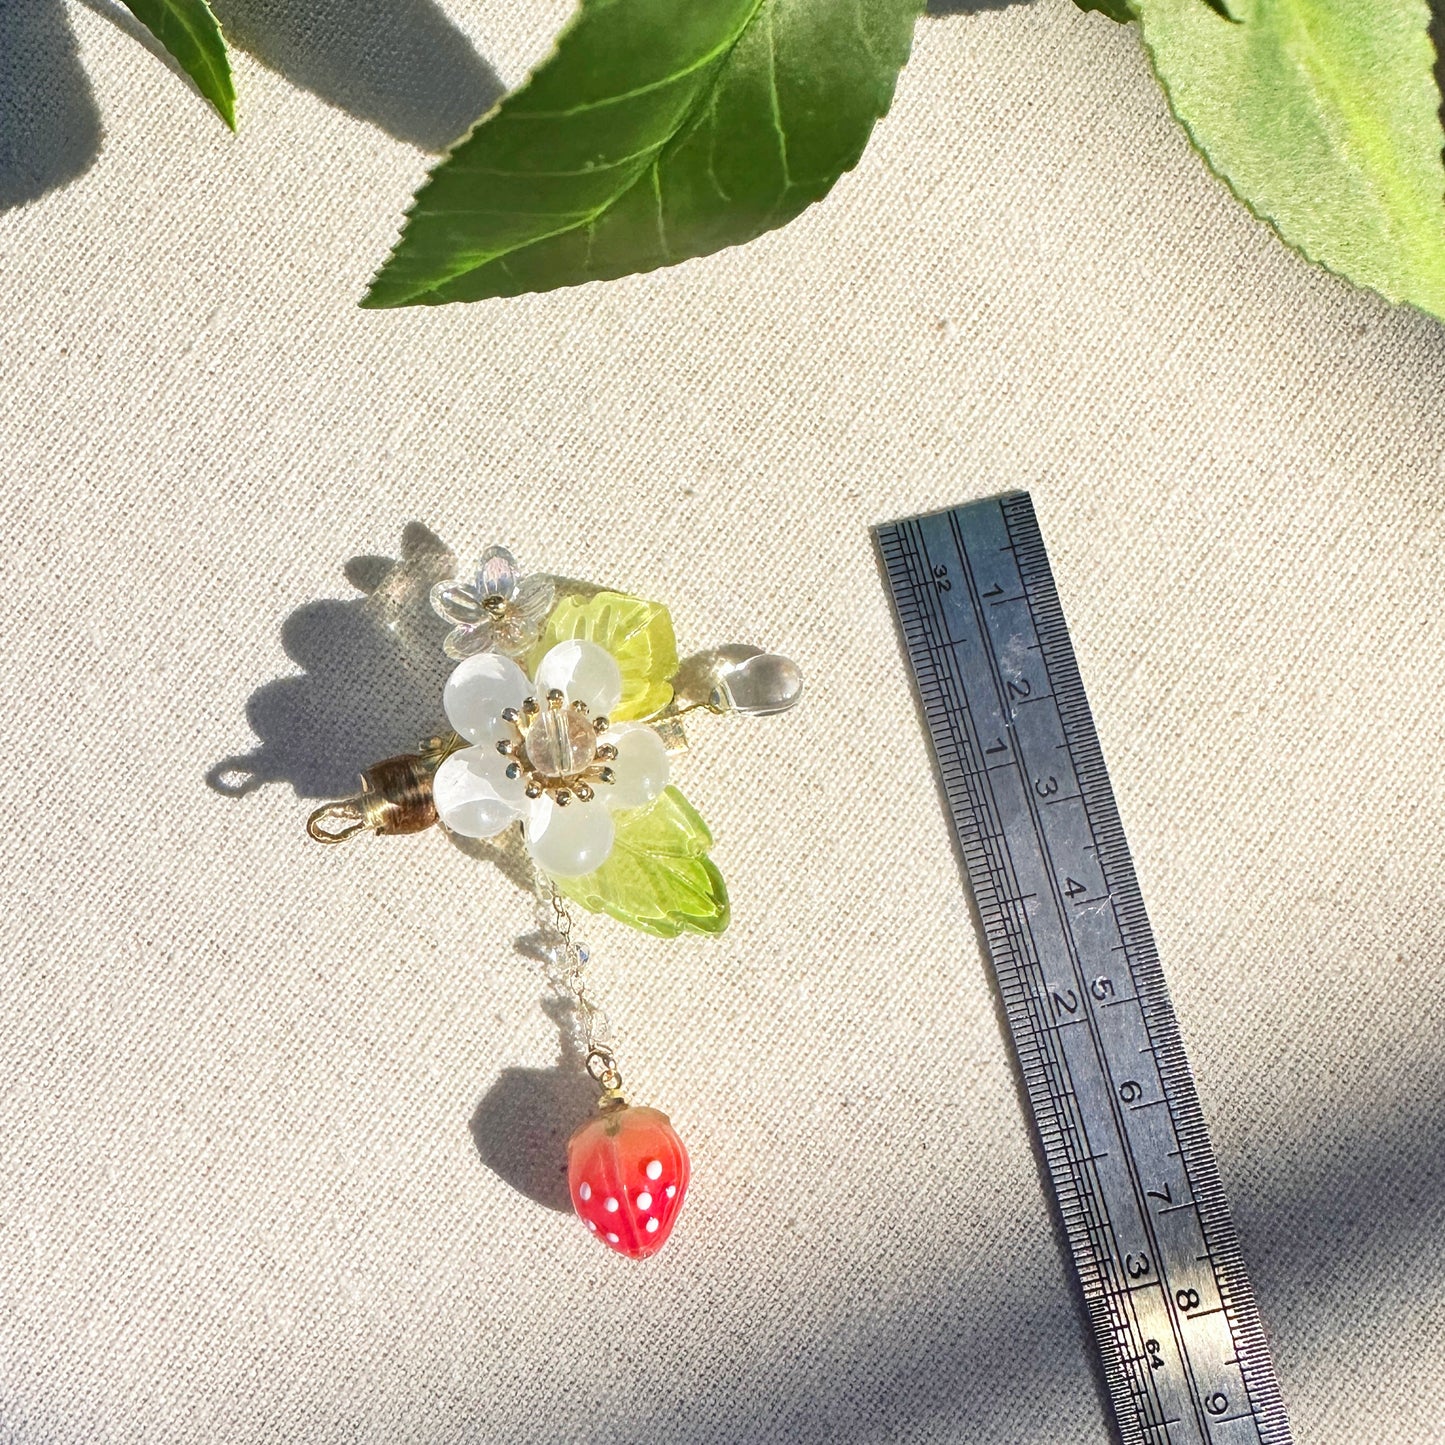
<point x="581" y="218"/>
<point x="1300" y="248"/>
<point x="225" y="104"/>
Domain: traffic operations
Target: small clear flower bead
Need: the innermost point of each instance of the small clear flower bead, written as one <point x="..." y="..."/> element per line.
<point x="493" y="608"/>
<point x="544" y="753"/>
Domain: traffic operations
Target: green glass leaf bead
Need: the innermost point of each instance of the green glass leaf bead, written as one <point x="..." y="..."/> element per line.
<point x="658" y="877"/>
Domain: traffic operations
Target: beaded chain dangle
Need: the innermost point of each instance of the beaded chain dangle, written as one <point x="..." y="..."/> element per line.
<point x="566" y="715"/>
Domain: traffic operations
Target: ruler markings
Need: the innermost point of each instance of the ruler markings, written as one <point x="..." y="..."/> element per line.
<point x="1085" y="1219"/>
<point x="1023" y="693"/>
<point x="1058" y="899"/>
<point x="1061" y="1095"/>
<point x="1216" y="1227"/>
<point x="1130" y="911"/>
<point x="1047" y="1076"/>
<point x="1112" y="1258"/>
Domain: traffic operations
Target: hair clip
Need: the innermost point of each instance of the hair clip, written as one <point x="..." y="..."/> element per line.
<point x="566" y="709"/>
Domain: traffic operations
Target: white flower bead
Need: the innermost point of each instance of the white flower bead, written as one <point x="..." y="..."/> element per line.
<point x="583" y="672"/>
<point x="640" y="771"/>
<point x="479" y="691"/>
<point x="569" y="841"/>
<point x="473" y="794"/>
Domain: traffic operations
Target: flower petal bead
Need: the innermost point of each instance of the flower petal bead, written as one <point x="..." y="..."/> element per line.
<point x="467" y="641"/>
<point x="582" y="672"/>
<point x="496" y="574"/>
<point x="457" y="603"/>
<point x="512" y="635"/>
<point x="473" y="794"/>
<point x="569" y="841"/>
<point x="533" y="601"/>
<point x="479" y="690"/>
<point x="640" y="770"/>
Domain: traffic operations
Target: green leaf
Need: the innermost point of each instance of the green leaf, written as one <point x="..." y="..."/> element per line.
<point x="637" y="633"/>
<point x="189" y="32"/>
<point x="656" y="131"/>
<point x="658" y="877"/>
<point x="1115" y="9"/>
<point x="1323" y="117"/>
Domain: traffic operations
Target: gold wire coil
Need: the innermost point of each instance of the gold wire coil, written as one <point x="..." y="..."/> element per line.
<point x="395" y="797"/>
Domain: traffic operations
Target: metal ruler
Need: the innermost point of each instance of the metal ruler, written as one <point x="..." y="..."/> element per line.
<point x="1171" y="1308"/>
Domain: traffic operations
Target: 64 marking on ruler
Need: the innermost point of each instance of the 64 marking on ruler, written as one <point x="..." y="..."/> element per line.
<point x="1097" y="1042"/>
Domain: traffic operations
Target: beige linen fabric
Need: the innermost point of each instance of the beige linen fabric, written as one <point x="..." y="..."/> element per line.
<point x="277" y="1160"/>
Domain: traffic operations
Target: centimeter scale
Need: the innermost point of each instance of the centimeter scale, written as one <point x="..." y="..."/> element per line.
<point x="1169" y="1303"/>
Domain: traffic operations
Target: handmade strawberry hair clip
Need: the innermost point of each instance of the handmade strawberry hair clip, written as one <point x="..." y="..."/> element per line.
<point x="566" y="709"/>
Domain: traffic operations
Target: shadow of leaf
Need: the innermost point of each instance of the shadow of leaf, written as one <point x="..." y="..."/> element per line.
<point x="49" y="126"/>
<point x="400" y="64"/>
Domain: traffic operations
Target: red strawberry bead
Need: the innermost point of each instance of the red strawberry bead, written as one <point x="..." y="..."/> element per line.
<point x="628" y="1171"/>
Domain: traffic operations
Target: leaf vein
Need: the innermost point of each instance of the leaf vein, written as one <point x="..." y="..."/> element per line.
<point x="465" y="265"/>
<point x="592" y="170"/>
<point x="733" y="86"/>
<point x="1327" y="84"/>
<point x="774" y="99"/>
<point x="660" y="84"/>
<point x="710" y="120"/>
<point x="661" y="220"/>
<point x="575" y="216"/>
<point x="863" y="33"/>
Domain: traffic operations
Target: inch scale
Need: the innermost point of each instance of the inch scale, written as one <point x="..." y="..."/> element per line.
<point x="1171" y="1308"/>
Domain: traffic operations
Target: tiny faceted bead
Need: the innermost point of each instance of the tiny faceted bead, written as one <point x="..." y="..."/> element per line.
<point x="560" y="743"/>
<point x="628" y="1173"/>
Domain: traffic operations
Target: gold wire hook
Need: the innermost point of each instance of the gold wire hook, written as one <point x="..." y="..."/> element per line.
<point x="349" y="811"/>
<point x="602" y="1065"/>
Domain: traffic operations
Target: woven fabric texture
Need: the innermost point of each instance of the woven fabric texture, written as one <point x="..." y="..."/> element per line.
<point x="279" y="1155"/>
